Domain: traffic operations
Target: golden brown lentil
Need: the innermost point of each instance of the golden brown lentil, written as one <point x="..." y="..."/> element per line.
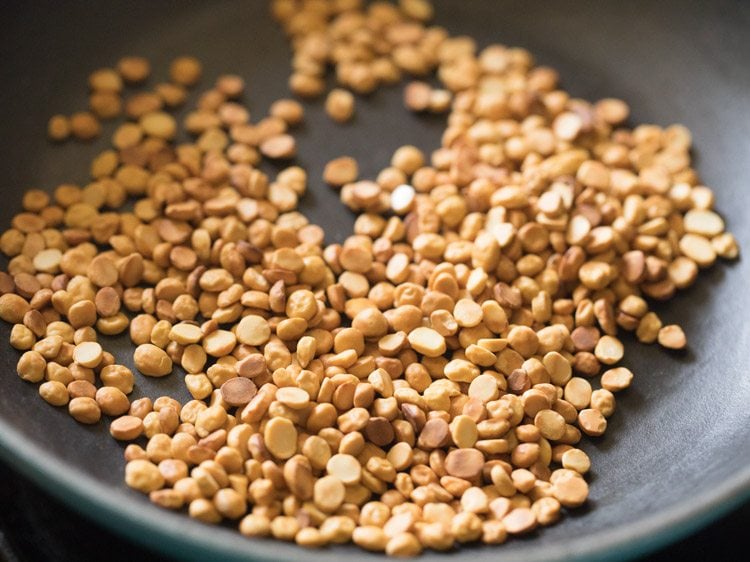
<point x="58" y="128"/>
<point x="672" y="337"/>
<point x="471" y="309"/>
<point x="185" y="71"/>
<point x="340" y="105"/>
<point x="84" y="126"/>
<point x="341" y="171"/>
<point x="134" y="69"/>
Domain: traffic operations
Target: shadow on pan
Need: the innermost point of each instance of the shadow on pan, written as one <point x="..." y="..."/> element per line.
<point x="676" y="453"/>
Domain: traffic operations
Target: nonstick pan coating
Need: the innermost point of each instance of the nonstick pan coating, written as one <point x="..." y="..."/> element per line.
<point x="677" y="450"/>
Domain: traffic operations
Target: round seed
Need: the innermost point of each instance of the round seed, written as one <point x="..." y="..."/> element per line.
<point x="88" y="354"/>
<point x="31" y="366"/>
<point x="54" y="393"/>
<point x="85" y="126"/>
<point x="102" y="271"/>
<point x="143" y="475"/>
<point x="288" y="110"/>
<point x="726" y="246"/>
<point x="403" y="544"/>
<point x="134" y="69"/>
<point x="329" y="493"/>
<point x="575" y="459"/>
<point x="698" y="249"/>
<point x="379" y="431"/>
<point x="340" y="105"/>
<point x="402" y="199"/>
<point x="280" y="437"/>
<point x="578" y="392"/>
<point x="464" y="463"/>
<point x="58" y="128"/>
<point x="185" y="334"/>
<point x="219" y="343"/>
<point x="672" y="337"/>
<point x="152" y="361"/>
<point x="592" y="422"/>
<point x="550" y="423"/>
<point x="48" y="260"/>
<point x="464" y="431"/>
<point x="185" y="71"/>
<point x="345" y="468"/>
<point x="253" y="330"/>
<point x="434" y="433"/>
<point x="616" y="379"/>
<point x="703" y="222"/>
<point x="13" y="308"/>
<point x="609" y="350"/>
<point x="467" y="313"/>
<point x="570" y="491"/>
<point x="158" y="124"/>
<point x="84" y="410"/>
<point x="112" y="401"/>
<point x="238" y="391"/>
<point x="295" y="398"/>
<point x="427" y="341"/>
<point x="520" y="520"/>
<point x="279" y="147"/>
<point x="341" y="171"/>
<point x="126" y="428"/>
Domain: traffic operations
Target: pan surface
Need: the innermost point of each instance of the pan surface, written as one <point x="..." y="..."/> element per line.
<point x="677" y="450"/>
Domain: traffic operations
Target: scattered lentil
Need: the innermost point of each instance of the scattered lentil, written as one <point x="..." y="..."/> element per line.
<point x="511" y="261"/>
<point x="58" y="128"/>
<point x="672" y="337"/>
<point x="340" y="105"/>
<point x="134" y="70"/>
<point x="185" y="71"/>
<point x="152" y="361"/>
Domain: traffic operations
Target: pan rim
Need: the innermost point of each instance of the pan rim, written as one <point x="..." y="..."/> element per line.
<point x="180" y="536"/>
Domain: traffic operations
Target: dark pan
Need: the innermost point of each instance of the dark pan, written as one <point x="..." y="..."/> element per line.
<point x="677" y="451"/>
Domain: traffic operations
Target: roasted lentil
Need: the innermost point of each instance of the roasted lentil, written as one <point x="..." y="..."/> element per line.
<point x="449" y="410"/>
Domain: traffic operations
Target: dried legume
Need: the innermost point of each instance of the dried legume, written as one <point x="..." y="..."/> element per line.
<point x="424" y="383"/>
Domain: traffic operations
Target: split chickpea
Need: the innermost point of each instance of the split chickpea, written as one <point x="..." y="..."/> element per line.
<point x="424" y="383"/>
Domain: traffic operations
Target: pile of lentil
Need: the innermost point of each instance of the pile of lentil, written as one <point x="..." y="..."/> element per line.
<point x="421" y="385"/>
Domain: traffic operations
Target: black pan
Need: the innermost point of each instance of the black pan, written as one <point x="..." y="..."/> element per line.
<point x="677" y="450"/>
